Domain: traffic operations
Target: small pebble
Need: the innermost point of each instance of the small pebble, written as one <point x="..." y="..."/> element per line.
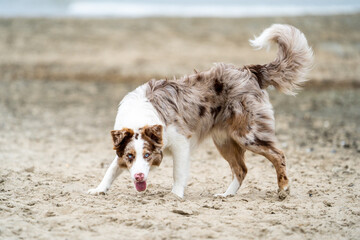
<point x="328" y="204"/>
<point x="344" y="144"/>
<point x="183" y="212"/>
<point x="309" y="150"/>
<point x="50" y="214"/>
<point x="30" y="169"/>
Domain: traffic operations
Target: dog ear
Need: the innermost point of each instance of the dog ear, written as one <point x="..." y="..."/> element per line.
<point x="121" y="137"/>
<point x="153" y="133"/>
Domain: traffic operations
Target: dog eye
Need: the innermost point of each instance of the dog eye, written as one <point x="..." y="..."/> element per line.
<point x="146" y="155"/>
<point x="130" y="156"/>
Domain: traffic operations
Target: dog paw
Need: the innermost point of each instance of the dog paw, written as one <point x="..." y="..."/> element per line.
<point x="174" y="197"/>
<point x="96" y="191"/>
<point x="178" y="191"/>
<point x="223" y="195"/>
<point x="284" y="193"/>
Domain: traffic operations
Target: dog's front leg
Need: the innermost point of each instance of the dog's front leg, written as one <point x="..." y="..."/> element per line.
<point x="111" y="174"/>
<point x="181" y="158"/>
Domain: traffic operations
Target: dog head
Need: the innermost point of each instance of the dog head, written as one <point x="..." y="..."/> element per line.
<point x="138" y="150"/>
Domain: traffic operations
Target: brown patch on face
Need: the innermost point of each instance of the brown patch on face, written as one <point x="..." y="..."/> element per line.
<point x="152" y="136"/>
<point x="122" y="163"/>
<point x="154" y="156"/>
<point x="121" y="139"/>
<point x="126" y="160"/>
<point x="157" y="160"/>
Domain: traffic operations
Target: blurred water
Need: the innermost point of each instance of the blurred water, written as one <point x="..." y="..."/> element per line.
<point x="174" y="8"/>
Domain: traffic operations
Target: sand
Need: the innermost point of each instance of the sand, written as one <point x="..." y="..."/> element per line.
<point x="55" y="141"/>
<point x="55" y="145"/>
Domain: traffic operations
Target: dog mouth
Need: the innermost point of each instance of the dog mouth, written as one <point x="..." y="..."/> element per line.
<point x="140" y="186"/>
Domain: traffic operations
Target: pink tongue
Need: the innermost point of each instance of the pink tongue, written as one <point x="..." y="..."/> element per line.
<point x="140" y="186"/>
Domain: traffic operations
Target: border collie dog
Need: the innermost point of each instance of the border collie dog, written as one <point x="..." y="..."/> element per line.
<point x="227" y="102"/>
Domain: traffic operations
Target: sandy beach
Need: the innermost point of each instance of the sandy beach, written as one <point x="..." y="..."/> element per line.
<point x="62" y="79"/>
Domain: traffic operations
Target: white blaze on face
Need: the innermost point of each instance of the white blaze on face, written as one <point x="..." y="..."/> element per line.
<point x="140" y="165"/>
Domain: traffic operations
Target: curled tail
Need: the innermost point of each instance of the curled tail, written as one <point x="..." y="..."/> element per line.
<point x="294" y="59"/>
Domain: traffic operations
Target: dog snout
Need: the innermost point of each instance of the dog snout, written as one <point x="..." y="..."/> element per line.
<point x="139" y="177"/>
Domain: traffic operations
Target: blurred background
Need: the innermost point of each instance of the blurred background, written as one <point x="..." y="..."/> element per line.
<point x="138" y="40"/>
<point x="175" y="8"/>
<point x="66" y="64"/>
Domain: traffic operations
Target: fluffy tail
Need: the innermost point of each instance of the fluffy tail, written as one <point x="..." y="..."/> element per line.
<point x="294" y="59"/>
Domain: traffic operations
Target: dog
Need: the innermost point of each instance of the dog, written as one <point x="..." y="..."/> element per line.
<point x="228" y="103"/>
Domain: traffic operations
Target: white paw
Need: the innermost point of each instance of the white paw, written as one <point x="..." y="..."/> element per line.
<point x="178" y="191"/>
<point x="97" y="191"/>
<point x="284" y="193"/>
<point x="223" y="195"/>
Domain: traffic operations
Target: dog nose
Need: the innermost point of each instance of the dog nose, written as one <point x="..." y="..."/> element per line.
<point x="139" y="177"/>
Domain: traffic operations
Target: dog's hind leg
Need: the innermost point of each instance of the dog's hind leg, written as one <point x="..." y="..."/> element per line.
<point x="277" y="158"/>
<point x="274" y="155"/>
<point x="111" y="174"/>
<point x="234" y="154"/>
